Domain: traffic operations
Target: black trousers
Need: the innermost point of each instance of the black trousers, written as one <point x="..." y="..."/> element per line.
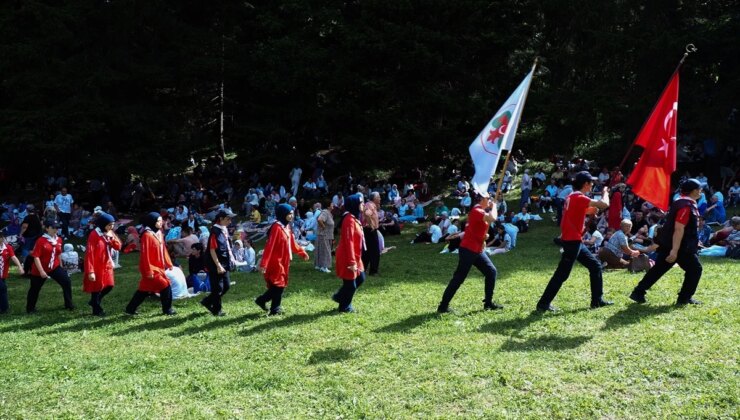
<point x="220" y="284"/>
<point x="60" y="276"/>
<point x="688" y="262"/>
<point x="165" y="296"/>
<point x="347" y="291"/>
<point x="371" y="255"/>
<point x="4" y="305"/>
<point x="96" y="298"/>
<point x="574" y="251"/>
<point x="64" y="218"/>
<point x="466" y="260"/>
<point x="273" y="294"/>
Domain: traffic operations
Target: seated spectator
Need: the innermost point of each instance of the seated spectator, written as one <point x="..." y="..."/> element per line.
<point x="539" y="178"/>
<point x="70" y="259"/>
<point x="704" y="232"/>
<point x="181" y="213"/>
<point x="417" y="213"/>
<point x="466" y="202"/>
<point x="245" y="256"/>
<point x="729" y="246"/>
<point x="255" y="217"/>
<point x="310" y="189"/>
<point x="390" y="224"/>
<point x="615" y="249"/>
<point x="501" y="242"/>
<point x="715" y="213"/>
<point x="734" y="195"/>
<point x="132" y="240"/>
<point x="440" y="208"/>
<point x="197" y="278"/>
<point x="181" y="247"/>
<point x="593" y="238"/>
<point x="453" y="240"/>
<point x="521" y="220"/>
<point x="444" y="222"/>
<point x="432" y="234"/>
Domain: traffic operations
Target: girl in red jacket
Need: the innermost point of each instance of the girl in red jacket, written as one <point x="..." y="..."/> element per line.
<point x="98" y="275"/>
<point x="275" y="264"/>
<point x="46" y="264"/>
<point x="153" y="262"/>
<point x="349" y="254"/>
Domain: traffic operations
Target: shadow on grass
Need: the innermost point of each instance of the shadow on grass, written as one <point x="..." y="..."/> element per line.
<point x="288" y="321"/>
<point x="218" y="323"/>
<point x="89" y="323"/>
<point x="545" y="342"/>
<point x="162" y="322"/>
<point x="408" y="324"/>
<point x="510" y="327"/>
<point x="39" y="320"/>
<point x="633" y="314"/>
<point x="330" y="356"/>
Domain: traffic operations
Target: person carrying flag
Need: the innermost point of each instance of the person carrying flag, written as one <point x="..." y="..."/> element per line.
<point x="678" y="243"/>
<point x="575" y="208"/>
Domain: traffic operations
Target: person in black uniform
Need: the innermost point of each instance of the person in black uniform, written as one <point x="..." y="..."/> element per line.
<point x="219" y="261"/>
<point x="678" y="243"/>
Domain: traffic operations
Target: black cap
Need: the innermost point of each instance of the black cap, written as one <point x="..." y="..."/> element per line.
<point x="689" y="185"/>
<point x="582" y="178"/>
<point x="52" y="223"/>
<point x="224" y="213"/>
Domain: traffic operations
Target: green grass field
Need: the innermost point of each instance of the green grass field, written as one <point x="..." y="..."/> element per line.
<point x="395" y="358"/>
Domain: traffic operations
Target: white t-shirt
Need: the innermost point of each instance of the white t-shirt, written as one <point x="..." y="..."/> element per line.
<point x="599" y="238"/>
<point x="436" y="233"/>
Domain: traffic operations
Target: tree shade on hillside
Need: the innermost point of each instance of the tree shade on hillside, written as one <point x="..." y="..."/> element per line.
<point x="133" y="86"/>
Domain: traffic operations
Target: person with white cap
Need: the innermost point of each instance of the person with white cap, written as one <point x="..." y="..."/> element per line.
<point x="575" y="208"/>
<point x="471" y="253"/>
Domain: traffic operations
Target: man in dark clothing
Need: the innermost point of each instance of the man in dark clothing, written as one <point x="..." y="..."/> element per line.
<point x="678" y="242"/>
<point x="30" y="232"/>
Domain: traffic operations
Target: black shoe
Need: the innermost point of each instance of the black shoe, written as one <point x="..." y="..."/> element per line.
<point x="444" y="309"/>
<point x="170" y="312"/>
<point x="492" y="306"/>
<point x="548" y="308"/>
<point x="70" y="308"/>
<point x="31" y="311"/>
<point x="205" y="304"/>
<point x="335" y="298"/>
<point x="261" y="304"/>
<point x="276" y="311"/>
<point x="99" y="313"/>
<point x="689" y="301"/>
<point x="601" y="303"/>
<point x="348" y="310"/>
<point x="638" y="297"/>
<point x="131" y="313"/>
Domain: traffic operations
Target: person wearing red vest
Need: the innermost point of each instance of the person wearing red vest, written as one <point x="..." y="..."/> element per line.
<point x="153" y="262"/>
<point x="275" y="263"/>
<point x="471" y="254"/>
<point x="577" y="206"/>
<point x="46" y="263"/>
<point x="678" y="243"/>
<point x="98" y="272"/>
<point x="349" y="266"/>
<point x="7" y="254"/>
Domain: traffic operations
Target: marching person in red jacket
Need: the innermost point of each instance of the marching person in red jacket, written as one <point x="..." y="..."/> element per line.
<point x="98" y="272"/>
<point x="275" y="264"/>
<point x="7" y="254"/>
<point x="153" y="262"/>
<point x="349" y="254"/>
<point x="46" y="263"/>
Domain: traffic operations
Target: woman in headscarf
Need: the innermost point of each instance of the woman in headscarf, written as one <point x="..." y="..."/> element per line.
<point x="219" y="261"/>
<point x="153" y="262"/>
<point x="98" y="275"/>
<point x="275" y="263"/>
<point x="349" y="265"/>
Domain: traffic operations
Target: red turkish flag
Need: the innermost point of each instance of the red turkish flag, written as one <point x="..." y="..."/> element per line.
<point x="651" y="178"/>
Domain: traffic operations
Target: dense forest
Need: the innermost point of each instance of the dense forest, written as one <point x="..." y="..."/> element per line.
<point x="135" y="86"/>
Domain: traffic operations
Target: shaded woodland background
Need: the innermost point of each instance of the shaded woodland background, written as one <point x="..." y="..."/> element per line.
<point x="133" y="86"/>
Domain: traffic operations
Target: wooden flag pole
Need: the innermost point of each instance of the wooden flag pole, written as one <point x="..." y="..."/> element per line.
<point x="690" y="48"/>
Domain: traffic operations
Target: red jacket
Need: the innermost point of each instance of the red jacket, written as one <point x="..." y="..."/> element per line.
<point x="349" y="251"/>
<point x="153" y="261"/>
<point x="98" y="261"/>
<point x="277" y="255"/>
<point x="48" y="254"/>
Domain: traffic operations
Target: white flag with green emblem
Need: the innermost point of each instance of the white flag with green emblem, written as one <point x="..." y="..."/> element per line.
<point x="498" y="135"/>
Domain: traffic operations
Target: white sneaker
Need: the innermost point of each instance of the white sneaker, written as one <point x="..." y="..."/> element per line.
<point x="444" y="251"/>
<point x="550" y="211"/>
<point x="317" y="268"/>
<point x="457" y="251"/>
<point x="326" y="270"/>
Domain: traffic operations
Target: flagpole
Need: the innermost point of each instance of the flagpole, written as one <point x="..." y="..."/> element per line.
<point x="508" y="152"/>
<point x="690" y="48"/>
